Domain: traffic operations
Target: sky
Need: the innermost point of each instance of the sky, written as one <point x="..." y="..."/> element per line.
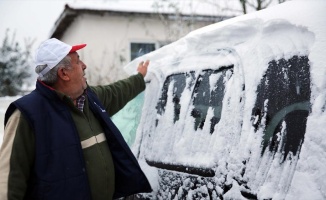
<point x="29" y="19"/>
<point x="34" y="19"/>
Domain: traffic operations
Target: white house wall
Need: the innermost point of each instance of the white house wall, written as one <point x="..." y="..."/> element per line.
<point x="108" y="40"/>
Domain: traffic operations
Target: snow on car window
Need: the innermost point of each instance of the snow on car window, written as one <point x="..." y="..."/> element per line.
<point x="208" y="96"/>
<point x="286" y="86"/>
<point x="177" y="83"/>
<point x="189" y="109"/>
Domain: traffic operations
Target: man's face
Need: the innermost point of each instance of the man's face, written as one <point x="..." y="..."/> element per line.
<point x="76" y="74"/>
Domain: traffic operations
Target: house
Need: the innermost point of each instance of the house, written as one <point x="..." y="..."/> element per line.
<point x="116" y="32"/>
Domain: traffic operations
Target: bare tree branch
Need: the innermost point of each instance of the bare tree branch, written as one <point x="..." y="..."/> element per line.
<point x="257" y="5"/>
<point x="267" y="4"/>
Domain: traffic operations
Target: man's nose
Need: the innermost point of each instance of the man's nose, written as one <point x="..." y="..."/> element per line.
<point x="83" y="65"/>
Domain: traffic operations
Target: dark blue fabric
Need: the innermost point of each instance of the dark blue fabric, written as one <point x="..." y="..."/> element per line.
<point x="59" y="171"/>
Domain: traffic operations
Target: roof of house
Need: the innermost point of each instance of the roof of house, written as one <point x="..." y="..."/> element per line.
<point x="185" y="9"/>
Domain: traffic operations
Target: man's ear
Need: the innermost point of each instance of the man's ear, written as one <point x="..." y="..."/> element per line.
<point x="62" y="74"/>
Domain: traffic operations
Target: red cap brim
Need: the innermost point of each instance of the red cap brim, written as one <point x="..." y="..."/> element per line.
<point x="77" y="47"/>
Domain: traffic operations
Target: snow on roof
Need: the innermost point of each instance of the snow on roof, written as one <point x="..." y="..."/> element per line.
<point x="185" y="7"/>
<point x="195" y="9"/>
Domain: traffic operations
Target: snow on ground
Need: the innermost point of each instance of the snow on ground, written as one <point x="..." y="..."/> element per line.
<point x="295" y="29"/>
<point x="4" y="103"/>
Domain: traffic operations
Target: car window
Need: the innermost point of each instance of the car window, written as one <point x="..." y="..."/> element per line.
<point x="209" y="93"/>
<point x="177" y="83"/>
<point x="282" y="105"/>
<point x="191" y="98"/>
<point x="128" y="118"/>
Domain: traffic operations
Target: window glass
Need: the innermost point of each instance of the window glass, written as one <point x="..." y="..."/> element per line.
<point x="139" y="49"/>
<point x="177" y="83"/>
<point x="189" y="102"/>
<point x="209" y="93"/>
<point x="128" y="118"/>
<point x="283" y="104"/>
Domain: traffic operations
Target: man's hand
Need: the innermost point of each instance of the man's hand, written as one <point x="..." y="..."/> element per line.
<point x="142" y="67"/>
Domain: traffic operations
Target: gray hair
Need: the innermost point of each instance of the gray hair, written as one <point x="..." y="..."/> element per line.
<point x="51" y="76"/>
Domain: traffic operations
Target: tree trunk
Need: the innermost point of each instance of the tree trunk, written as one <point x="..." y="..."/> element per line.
<point x="244" y="8"/>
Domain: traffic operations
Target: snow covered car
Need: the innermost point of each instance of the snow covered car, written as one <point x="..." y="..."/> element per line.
<point x="236" y="110"/>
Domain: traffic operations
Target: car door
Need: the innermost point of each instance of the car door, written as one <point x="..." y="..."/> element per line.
<point x="279" y="118"/>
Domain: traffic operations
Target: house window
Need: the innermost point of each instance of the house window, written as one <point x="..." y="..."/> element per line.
<point x="139" y="49"/>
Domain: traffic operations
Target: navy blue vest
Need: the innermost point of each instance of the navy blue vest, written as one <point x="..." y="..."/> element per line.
<point x="59" y="168"/>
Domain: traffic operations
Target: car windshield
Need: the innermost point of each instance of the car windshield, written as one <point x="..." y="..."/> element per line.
<point x="128" y="118"/>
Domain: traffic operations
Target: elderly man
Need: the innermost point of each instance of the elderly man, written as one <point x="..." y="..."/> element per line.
<point x="59" y="141"/>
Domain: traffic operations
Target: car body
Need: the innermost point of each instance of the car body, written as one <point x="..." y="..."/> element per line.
<point x="236" y="110"/>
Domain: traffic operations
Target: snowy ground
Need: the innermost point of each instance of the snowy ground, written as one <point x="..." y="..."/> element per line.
<point x="4" y="103"/>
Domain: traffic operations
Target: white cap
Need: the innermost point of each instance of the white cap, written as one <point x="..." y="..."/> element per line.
<point x="51" y="52"/>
